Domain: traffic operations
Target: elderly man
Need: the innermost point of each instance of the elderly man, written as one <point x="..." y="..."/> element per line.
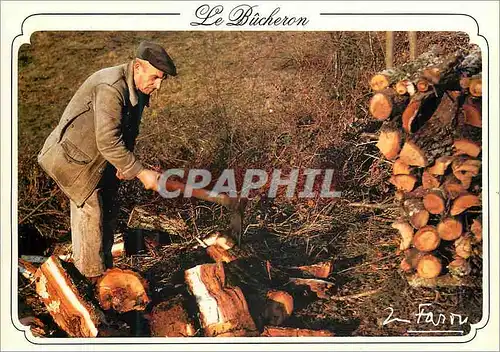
<point x="92" y="147"/>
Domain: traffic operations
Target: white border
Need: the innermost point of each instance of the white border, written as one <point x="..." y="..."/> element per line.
<point x="15" y="14"/>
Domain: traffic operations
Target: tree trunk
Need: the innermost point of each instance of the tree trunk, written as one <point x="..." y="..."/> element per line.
<point x="122" y="291"/>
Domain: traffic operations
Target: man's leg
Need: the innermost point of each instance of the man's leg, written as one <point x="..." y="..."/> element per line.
<point x="87" y="236"/>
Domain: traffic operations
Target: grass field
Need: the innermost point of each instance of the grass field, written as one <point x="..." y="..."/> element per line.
<point x="250" y="100"/>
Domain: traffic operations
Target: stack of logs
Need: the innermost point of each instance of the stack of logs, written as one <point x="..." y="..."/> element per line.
<point x="234" y="295"/>
<point x="431" y="133"/>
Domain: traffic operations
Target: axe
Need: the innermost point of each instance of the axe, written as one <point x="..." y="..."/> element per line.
<point x="235" y="205"/>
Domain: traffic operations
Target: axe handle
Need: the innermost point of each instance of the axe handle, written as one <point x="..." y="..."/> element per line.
<point x="203" y="194"/>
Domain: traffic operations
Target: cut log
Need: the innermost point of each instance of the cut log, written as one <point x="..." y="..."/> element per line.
<point x="400" y="168"/>
<point x="446" y="280"/>
<point x="449" y="229"/>
<point x="459" y="267"/>
<point x="453" y="187"/>
<point x="463" y="246"/>
<point x="219" y="254"/>
<point x="279" y="307"/>
<point x="403" y="87"/>
<point x="406" y="232"/>
<point x="472" y="113"/>
<point x="122" y="290"/>
<point x="272" y="331"/>
<point x="440" y="165"/>
<point x="465" y="168"/>
<point x="434" y="201"/>
<point x="426" y="239"/>
<point x="475" y="87"/>
<point x="464" y="202"/>
<point x="320" y="287"/>
<point x="387" y="103"/>
<point x="429" y="267"/>
<point x="389" y="142"/>
<point x="466" y="146"/>
<point x="415" y="212"/>
<point x="223" y="309"/>
<point x="422" y="85"/>
<point x="403" y="182"/>
<point x="412" y="155"/>
<point x="477" y="229"/>
<point x="429" y="181"/>
<point x="147" y="219"/>
<point x="320" y="270"/>
<point x="67" y="299"/>
<point x="170" y="319"/>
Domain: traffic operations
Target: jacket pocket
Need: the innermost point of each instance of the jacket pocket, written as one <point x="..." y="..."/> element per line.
<point x="73" y="154"/>
<point x="64" y="162"/>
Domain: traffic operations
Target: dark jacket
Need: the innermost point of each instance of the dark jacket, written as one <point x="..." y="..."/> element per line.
<point x="99" y="126"/>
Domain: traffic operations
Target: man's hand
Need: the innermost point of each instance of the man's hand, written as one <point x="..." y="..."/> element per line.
<point x="119" y="175"/>
<point x="149" y="179"/>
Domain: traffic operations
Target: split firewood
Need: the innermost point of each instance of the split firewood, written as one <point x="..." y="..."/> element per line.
<point x="429" y="267"/>
<point x="219" y="254"/>
<point x="320" y="287"/>
<point x="122" y="290"/>
<point x="429" y="181"/>
<point x="446" y="280"/>
<point x="466" y="146"/>
<point x="426" y="239"/>
<point x="465" y="168"/>
<point x="412" y="155"/>
<point x="146" y="219"/>
<point x="472" y="112"/>
<point x="387" y="103"/>
<point x="319" y="270"/>
<point x="463" y="246"/>
<point x="279" y="307"/>
<point x="440" y="165"/>
<point x="67" y="299"/>
<point x="389" y="142"/>
<point x="400" y="168"/>
<point x="464" y="202"/>
<point x="477" y="229"/>
<point x="434" y="201"/>
<point x="449" y="229"/>
<point x="170" y="319"/>
<point x="453" y="187"/>
<point x="403" y="182"/>
<point x="415" y="108"/>
<point x="406" y="232"/>
<point x="415" y="212"/>
<point x="475" y="86"/>
<point x="272" y="331"/>
<point x="459" y="267"/>
<point x="223" y="309"/>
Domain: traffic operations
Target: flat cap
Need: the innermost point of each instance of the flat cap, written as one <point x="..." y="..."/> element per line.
<point x="156" y="56"/>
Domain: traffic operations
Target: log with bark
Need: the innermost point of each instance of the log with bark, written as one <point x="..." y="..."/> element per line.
<point x="387" y="103"/>
<point x="415" y="212"/>
<point x="223" y="309"/>
<point x="144" y="218"/>
<point x="446" y="280"/>
<point x="67" y="297"/>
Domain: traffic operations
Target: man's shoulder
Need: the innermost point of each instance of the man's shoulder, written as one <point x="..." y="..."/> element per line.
<point x="113" y="76"/>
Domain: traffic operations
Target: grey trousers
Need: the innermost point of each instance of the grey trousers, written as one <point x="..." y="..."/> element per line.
<point x="92" y="228"/>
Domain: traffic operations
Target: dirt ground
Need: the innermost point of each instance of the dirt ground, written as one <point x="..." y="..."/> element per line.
<point x="247" y="100"/>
